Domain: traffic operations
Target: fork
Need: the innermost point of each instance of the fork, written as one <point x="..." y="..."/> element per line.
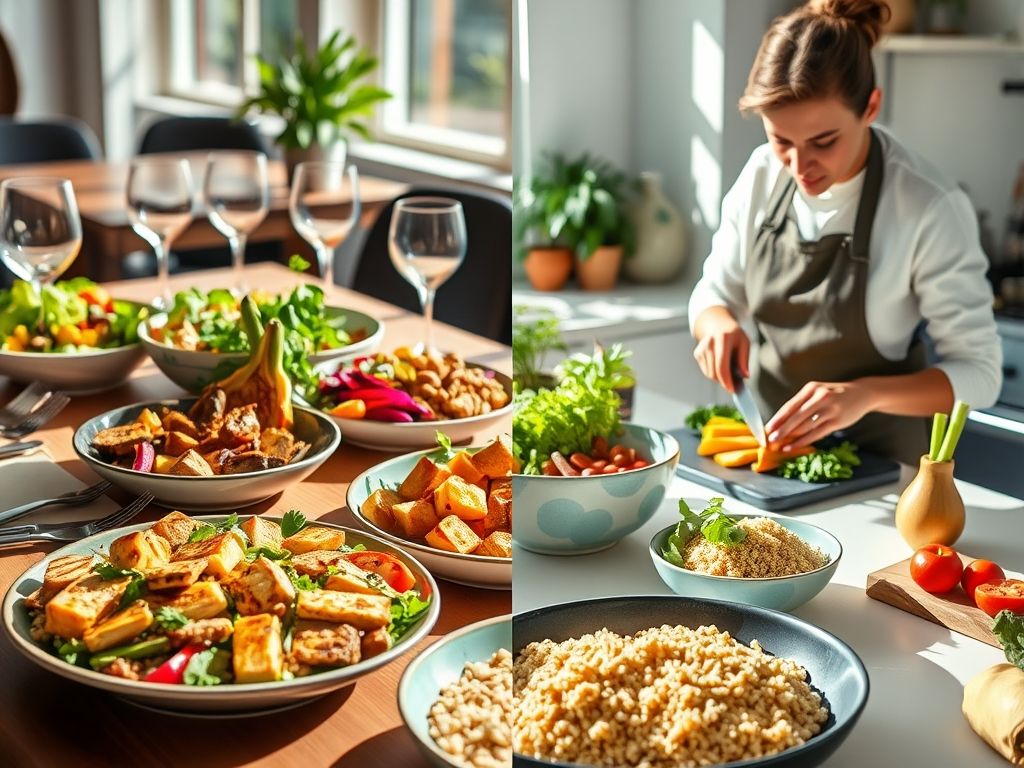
<point x="15" y="411"/>
<point x="20" y="534"/>
<point x="40" y="416"/>
<point x="82" y="496"/>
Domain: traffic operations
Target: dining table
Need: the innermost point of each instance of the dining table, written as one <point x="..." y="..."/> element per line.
<point x="47" y="721"/>
<point x="107" y="235"/>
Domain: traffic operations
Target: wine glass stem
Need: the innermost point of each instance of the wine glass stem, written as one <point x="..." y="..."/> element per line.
<point x="237" y="244"/>
<point x="160" y="248"/>
<point x="325" y="257"/>
<point x="427" y="298"/>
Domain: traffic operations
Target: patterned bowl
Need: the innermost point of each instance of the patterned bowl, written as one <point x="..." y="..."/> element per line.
<point x="580" y="515"/>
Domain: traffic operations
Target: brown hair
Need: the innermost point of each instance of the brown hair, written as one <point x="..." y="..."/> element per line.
<point x="819" y="50"/>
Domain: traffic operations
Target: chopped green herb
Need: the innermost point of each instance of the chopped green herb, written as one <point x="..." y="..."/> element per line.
<point x="292" y="522"/>
<point x="297" y="264"/>
<point x="136" y="587"/>
<point x="406" y="610"/>
<point x="254" y="553"/>
<point x="208" y="667"/>
<point x="168" y="618"/>
<point x="712" y="523"/>
<point x="1009" y="628"/>
<point x="696" y="419"/>
<point x="822" y="466"/>
<point x="444" y="443"/>
<point x="302" y="583"/>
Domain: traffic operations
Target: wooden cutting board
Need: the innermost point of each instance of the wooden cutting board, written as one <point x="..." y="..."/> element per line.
<point x="953" y="610"/>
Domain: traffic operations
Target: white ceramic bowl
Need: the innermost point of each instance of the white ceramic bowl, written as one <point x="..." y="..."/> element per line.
<point x="209" y="494"/>
<point x="219" y="699"/>
<point x="192" y="370"/>
<point x="471" y="570"/>
<point x="411" y="436"/>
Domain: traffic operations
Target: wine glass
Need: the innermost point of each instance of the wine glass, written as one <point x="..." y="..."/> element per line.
<point x="160" y="197"/>
<point x="324" y="206"/>
<point x="427" y="243"/>
<point x="237" y="196"/>
<point x="40" y="229"/>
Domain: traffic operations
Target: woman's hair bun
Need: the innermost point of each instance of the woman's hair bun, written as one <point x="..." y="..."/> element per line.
<point x="868" y="15"/>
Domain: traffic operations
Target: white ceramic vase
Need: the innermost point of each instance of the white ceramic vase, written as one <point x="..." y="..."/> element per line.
<point x="660" y="235"/>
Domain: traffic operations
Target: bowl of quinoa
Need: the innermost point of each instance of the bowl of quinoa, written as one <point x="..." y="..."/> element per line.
<point x="780" y="564"/>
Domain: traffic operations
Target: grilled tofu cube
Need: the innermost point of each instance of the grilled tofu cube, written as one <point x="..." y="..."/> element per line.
<point x="374" y="643"/>
<point x="222" y="552"/>
<point x="177" y="575"/>
<point x="314" y="564"/>
<point x="377" y="508"/>
<point x="496" y="459"/>
<point x="423" y="479"/>
<point x="175" y="527"/>
<point x="361" y="611"/>
<point x="60" y="572"/>
<point x="202" y="600"/>
<point x="457" y="497"/>
<point x="453" y="535"/>
<point x="415" y="518"/>
<point x="499" y="506"/>
<point x="263" y="588"/>
<point x="498" y="544"/>
<point x="119" y="628"/>
<point x="257" y="654"/>
<point x="191" y="464"/>
<point x="462" y="465"/>
<point x="314" y="537"/>
<point x="262" y="533"/>
<point x="141" y="549"/>
<point x="83" y="604"/>
<point x="350" y="578"/>
<point x="177" y="443"/>
<point x="322" y="644"/>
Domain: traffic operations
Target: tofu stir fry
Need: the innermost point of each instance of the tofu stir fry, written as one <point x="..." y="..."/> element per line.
<point x="194" y="603"/>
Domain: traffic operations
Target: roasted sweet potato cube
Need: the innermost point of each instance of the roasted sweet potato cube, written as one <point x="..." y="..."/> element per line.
<point x="423" y="479"/>
<point x="453" y="535"/>
<point x="177" y="443"/>
<point x="262" y="532"/>
<point x="498" y="544"/>
<point x="457" y="497"/>
<point x="462" y="465"/>
<point x="191" y="464"/>
<point x="499" y="505"/>
<point x="374" y="643"/>
<point x="151" y="421"/>
<point x="496" y="459"/>
<point x="415" y="518"/>
<point x="175" y="527"/>
<point x="378" y="508"/>
<point x="140" y="549"/>
<point x="312" y="538"/>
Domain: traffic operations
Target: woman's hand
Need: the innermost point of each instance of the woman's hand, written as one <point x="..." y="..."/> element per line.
<point x="721" y="340"/>
<point x="817" y="410"/>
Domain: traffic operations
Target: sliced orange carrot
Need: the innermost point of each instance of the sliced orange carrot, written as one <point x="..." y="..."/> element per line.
<point x="726" y="430"/>
<point x="769" y="458"/>
<point x="741" y="458"/>
<point x="709" y="446"/>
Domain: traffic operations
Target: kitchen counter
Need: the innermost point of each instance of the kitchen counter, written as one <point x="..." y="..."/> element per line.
<point x="917" y="668"/>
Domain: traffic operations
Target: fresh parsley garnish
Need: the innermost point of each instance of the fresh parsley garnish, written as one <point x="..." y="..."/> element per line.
<point x="209" y="530"/>
<point x="712" y="523"/>
<point x="356" y="548"/>
<point x="136" y="587"/>
<point x="406" y="609"/>
<point x="109" y="571"/>
<point x="824" y="465"/>
<point x="292" y="522"/>
<point x="168" y="618"/>
<point x="207" y="667"/>
<point x="297" y="264"/>
<point x="444" y="444"/>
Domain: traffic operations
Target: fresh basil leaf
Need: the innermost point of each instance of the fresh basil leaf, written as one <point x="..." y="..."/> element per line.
<point x="136" y="587"/>
<point x="108" y="571"/>
<point x="292" y="522"/>
<point x="203" y="532"/>
<point x="444" y="444"/>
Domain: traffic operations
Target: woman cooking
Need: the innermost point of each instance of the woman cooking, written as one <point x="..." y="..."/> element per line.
<point x="837" y="247"/>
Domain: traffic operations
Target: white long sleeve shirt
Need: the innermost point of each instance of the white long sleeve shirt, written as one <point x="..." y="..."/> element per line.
<point x="925" y="262"/>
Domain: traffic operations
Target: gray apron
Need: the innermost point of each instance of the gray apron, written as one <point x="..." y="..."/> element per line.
<point x="807" y="300"/>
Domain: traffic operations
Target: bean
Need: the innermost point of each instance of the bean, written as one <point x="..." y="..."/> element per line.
<point x="598" y="465"/>
<point x="639" y="464"/>
<point x="580" y="460"/>
<point x="631" y="453"/>
<point x="621" y="460"/>
<point x="587" y="472"/>
<point x="563" y="465"/>
<point x="611" y="469"/>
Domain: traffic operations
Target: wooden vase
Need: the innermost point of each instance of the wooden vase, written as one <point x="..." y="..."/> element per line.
<point x="600" y="271"/>
<point x="930" y="510"/>
<point x="547" y="269"/>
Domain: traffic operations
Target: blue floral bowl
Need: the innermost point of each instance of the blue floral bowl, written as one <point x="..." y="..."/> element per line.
<point x="580" y="515"/>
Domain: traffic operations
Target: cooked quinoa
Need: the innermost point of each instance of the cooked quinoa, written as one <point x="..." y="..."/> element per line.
<point x="669" y="697"/>
<point x="768" y="551"/>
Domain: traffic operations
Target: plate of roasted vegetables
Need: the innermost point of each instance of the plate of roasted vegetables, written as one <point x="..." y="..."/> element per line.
<point x="70" y="335"/>
<point x="452" y="508"/>
<point x="398" y="401"/>
<point x="221" y="614"/>
<point x="205" y="336"/>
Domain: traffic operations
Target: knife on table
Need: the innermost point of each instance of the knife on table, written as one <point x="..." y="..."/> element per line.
<point x="16" y="449"/>
<point x="744" y="401"/>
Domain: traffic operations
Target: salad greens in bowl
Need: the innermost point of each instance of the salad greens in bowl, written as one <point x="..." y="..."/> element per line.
<point x="203" y="337"/>
<point x="45" y="335"/>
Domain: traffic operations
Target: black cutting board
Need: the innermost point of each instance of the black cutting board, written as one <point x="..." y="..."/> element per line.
<point x="769" y="491"/>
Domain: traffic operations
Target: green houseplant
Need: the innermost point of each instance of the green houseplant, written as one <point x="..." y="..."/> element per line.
<point x="534" y="334"/>
<point x="319" y="96"/>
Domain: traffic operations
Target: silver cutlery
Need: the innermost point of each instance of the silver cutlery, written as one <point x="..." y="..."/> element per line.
<point x="40" y="416"/>
<point x="16" y="449"/>
<point x="83" y="496"/>
<point x="15" y="411"/>
<point x="20" y="534"/>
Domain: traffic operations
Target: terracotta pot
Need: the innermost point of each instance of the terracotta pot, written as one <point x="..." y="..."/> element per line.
<point x="601" y="270"/>
<point x="338" y="151"/>
<point x="547" y="269"/>
<point x="930" y="510"/>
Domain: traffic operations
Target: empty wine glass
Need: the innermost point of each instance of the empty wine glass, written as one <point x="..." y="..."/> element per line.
<point x="40" y="229"/>
<point x="160" y="197"/>
<point x="427" y="243"/>
<point x="237" y="196"/>
<point x="324" y="206"/>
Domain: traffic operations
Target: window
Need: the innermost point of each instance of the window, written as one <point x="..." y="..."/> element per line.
<point x="448" y="63"/>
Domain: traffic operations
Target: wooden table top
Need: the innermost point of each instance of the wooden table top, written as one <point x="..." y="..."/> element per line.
<point x="49" y="721"/>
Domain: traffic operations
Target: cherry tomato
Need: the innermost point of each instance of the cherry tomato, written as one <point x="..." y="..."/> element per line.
<point x="173" y="670"/>
<point x="390" y="568"/>
<point x="1006" y="594"/>
<point x="936" y="568"/>
<point x="979" y="572"/>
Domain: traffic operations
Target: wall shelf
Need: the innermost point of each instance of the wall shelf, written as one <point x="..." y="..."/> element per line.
<point x="952" y="44"/>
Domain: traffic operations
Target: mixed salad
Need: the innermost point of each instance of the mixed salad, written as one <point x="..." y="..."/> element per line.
<point x="69" y="316"/>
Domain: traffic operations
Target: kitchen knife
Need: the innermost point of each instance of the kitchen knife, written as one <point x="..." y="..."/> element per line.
<point x="744" y="401"/>
<point x="16" y="449"/>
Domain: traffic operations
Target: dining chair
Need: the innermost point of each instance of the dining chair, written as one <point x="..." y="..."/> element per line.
<point x="478" y="297"/>
<point x="46" y="140"/>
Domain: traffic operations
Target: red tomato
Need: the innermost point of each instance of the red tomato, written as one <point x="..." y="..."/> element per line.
<point x="391" y="569"/>
<point x="936" y="568"/>
<point x="98" y="295"/>
<point x="1007" y="594"/>
<point x="979" y="572"/>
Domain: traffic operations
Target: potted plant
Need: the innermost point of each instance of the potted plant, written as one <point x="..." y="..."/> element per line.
<point x="534" y="334"/>
<point x="611" y="371"/>
<point x="319" y="97"/>
<point x="541" y="232"/>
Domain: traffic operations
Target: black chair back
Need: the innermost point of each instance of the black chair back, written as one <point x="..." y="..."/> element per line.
<point x="44" y="141"/>
<point x="185" y="134"/>
<point x="478" y="297"/>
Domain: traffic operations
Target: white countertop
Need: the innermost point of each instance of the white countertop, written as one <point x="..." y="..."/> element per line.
<point x="917" y="668"/>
